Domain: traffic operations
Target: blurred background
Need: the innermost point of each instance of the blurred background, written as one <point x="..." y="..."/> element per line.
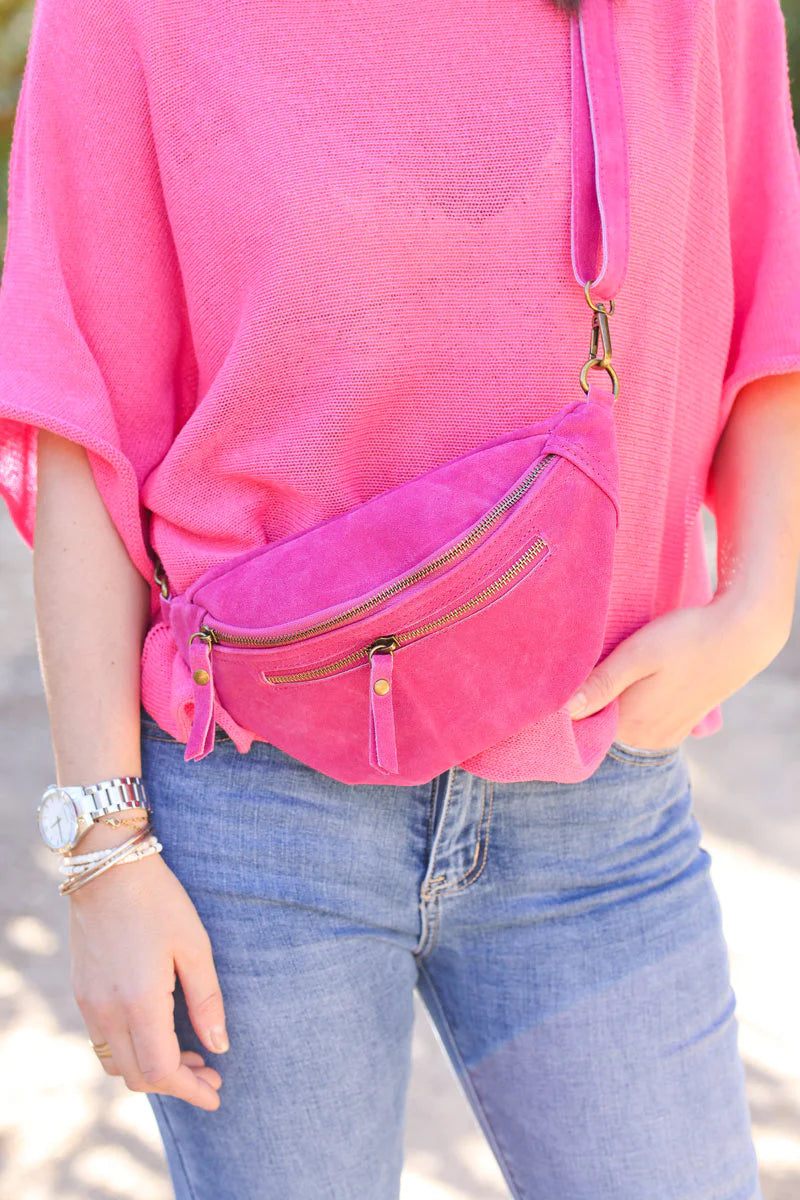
<point x="67" y="1131"/>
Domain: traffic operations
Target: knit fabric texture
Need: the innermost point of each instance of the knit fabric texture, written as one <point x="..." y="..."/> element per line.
<point x="268" y="260"/>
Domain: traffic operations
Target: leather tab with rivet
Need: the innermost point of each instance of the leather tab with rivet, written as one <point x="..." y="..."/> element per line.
<point x="201" y="736"/>
<point x="382" y="735"/>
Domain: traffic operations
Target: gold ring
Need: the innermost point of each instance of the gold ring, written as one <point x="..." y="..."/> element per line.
<point x="101" y="1049"/>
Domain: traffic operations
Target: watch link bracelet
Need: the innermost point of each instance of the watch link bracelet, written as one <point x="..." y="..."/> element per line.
<point x="65" y="814"/>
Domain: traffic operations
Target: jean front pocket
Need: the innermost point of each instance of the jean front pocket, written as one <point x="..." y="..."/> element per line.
<point x="622" y="752"/>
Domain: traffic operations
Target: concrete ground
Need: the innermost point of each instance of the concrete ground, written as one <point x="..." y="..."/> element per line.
<point x="69" y="1131"/>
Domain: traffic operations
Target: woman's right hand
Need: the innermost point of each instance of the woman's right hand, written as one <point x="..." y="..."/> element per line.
<point x="131" y="930"/>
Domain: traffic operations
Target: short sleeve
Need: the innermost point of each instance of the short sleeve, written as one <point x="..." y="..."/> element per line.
<point x="93" y="328"/>
<point x="763" y="182"/>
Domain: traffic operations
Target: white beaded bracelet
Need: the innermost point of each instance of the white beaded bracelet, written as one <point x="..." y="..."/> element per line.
<point x="115" y="854"/>
<point x="79" y="860"/>
<point x="93" y="856"/>
<point x="149" y="846"/>
<point x="75" y="867"/>
<point x="72" y="876"/>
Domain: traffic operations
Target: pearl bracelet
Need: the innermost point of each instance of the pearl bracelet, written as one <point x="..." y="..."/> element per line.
<point x="115" y="854"/>
<point x="89" y="857"/>
<point x="77" y="866"/>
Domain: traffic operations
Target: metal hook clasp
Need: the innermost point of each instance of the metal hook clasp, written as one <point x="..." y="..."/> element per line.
<point x="597" y="361"/>
<point x="160" y="576"/>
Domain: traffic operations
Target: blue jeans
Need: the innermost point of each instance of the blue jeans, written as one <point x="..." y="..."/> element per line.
<point x="565" y="938"/>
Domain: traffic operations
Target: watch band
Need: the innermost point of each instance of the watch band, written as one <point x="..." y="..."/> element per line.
<point x="114" y="795"/>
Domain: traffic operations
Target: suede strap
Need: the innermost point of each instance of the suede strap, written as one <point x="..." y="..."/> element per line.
<point x="600" y="172"/>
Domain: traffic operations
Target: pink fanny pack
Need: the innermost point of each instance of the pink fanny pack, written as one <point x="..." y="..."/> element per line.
<point x="407" y="634"/>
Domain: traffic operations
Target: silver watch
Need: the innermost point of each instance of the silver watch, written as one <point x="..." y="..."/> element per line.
<point x="65" y="814"/>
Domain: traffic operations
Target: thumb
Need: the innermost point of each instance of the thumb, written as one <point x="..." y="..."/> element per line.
<point x="198" y="976"/>
<point x="606" y="680"/>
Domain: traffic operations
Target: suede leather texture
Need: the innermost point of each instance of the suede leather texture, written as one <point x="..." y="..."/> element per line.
<point x="518" y="616"/>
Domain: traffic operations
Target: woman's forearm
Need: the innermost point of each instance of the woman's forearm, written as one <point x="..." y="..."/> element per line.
<point x="755" y="481"/>
<point x="92" y="608"/>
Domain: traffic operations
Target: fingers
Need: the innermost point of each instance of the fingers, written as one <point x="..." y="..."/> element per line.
<point x="156" y="1063"/>
<point x="144" y="1051"/>
<point x="150" y="1019"/>
<point x="618" y="670"/>
<point x="195" y="1062"/>
<point x="204" y="1004"/>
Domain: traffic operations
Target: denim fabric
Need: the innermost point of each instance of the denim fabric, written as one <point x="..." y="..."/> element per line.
<point x="565" y="938"/>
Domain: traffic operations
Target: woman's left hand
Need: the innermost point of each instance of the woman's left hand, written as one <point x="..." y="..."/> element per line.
<point x="672" y="671"/>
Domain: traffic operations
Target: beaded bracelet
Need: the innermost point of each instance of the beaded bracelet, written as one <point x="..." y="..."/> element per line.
<point x="82" y="868"/>
<point x="94" y="855"/>
<point x="112" y="858"/>
<point x="77" y="864"/>
<point x="132" y="856"/>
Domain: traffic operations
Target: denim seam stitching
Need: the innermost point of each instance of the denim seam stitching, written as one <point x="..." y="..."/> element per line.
<point x="644" y="760"/>
<point x="435" y="926"/>
<point x="431" y="808"/>
<point x="469" y="1087"/>
<point x="452" y="886"/>
<point x="176" y="1142"/>
<point x="432" y="931"/>
<point x="465" y="881"/>
<point x="432" y="863"/>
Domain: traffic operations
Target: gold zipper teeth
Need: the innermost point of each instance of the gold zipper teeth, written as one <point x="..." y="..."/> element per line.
<point x="507" y="502"/>
<point x="421" y="630"/>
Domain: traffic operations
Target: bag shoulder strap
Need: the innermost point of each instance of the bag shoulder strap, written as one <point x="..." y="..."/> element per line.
<point x="600" y="171"/>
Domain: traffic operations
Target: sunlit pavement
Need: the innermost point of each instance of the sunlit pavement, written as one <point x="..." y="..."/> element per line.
<point x="72" y="1133"/>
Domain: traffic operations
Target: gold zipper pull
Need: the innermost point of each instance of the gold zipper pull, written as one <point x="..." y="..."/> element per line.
<point x="206" y="634"/>
<point x="383" y="645"/>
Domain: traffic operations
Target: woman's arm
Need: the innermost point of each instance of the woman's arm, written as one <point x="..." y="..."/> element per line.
<point x="92" y="608"/>
<point x="134" y="928"/>
<point x="755" y="484"/>
<point x="672" y="671"/>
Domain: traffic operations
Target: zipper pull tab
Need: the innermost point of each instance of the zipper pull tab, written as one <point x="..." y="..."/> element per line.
<point x="382" y="737"/>
<point x="201" y="735"/>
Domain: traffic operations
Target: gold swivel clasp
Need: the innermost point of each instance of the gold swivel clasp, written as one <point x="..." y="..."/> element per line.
<point x="600" y="329"/>
<point x="160" y="576"/>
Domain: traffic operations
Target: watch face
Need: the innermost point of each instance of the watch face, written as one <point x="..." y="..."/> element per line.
<point x="58" y="820"/>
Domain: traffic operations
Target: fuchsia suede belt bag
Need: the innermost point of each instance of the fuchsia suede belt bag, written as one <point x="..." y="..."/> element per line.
<point x="394" y="640"/>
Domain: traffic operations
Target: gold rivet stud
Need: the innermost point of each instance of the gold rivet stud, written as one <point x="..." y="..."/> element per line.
<point x="381" y="686"/>
<point x="201" y="677"/>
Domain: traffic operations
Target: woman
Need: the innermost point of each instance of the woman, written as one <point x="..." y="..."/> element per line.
<point x="264" y="262"/>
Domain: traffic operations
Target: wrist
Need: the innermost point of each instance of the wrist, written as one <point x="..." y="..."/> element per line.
<point x="107" y="831"/>
<point x="122" y="878"/>
<point x="82" y="870"/>
<point x="760" y="615"/>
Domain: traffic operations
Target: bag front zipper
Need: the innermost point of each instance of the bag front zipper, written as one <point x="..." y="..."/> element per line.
<point x="390" y="643"/>
<point x="379" y="653"/>
<point x="212" y="634"/>
<point x="382" y="731"/>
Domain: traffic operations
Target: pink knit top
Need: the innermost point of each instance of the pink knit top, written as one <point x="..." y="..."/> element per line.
<point x="268" y="260"/>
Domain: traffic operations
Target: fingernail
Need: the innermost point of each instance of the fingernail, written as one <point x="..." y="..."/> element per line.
<point x="577" y="704"/>
<point x="219" y="1039"/>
